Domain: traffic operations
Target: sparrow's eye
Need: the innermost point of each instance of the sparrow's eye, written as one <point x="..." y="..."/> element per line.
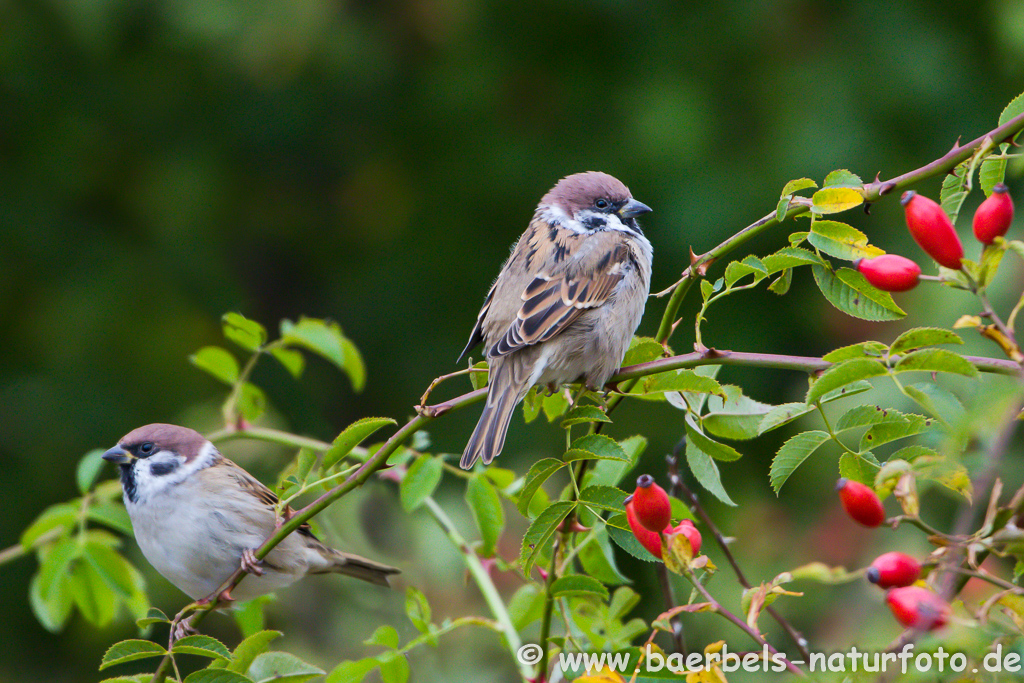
<point x="602" y="204"/>
<point x="146" y="448"/>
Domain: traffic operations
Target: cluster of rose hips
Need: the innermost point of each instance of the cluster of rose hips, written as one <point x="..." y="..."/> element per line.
<point x="933" y="231"/>
<point x="649" y="513"/>
<point x="913" y="606"/>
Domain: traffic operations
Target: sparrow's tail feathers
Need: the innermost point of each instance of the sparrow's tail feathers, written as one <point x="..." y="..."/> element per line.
<point x="359" y="568"/>
<point x="489" y="436"/>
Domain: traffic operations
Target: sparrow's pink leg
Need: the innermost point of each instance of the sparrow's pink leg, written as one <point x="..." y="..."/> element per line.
<point x="250" y="564"/>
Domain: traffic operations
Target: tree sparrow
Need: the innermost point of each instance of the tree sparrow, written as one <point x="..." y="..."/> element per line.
<point x="566" y="303"/>
<point x="198" y="517"/>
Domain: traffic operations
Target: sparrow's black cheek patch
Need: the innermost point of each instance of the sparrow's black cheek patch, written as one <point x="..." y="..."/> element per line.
<point x="159" y="469"/>
<point x="595" y="222"/>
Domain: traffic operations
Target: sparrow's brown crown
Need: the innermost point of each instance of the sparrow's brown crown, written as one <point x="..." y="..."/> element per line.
<point x="581" y="190"/>
<point x="165" y="437"/>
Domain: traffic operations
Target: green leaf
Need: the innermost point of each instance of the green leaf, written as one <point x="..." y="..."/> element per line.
<point x="478" y="380"/>
<point x="291" y="359"/>
<point x="923" y="336"/>
<point x="526" y="605"/>
<point x="112" y="515"/>
<point x="252" y="402"/>
<point x="782" y="207"/>
<point x="598" y="559"/>
<point x="326" y="340"/>
<point x="153" y="616"/>
<point x="705" y="471"/>
<point x="942" y="404"/>
<point x="584" y="414"/>
<point x="791" y="257"/>
<point x="217" y="676"/>
<point x="835" y="200"/>
<point x="677" y="380"/>
<point x="868" y="349"/>
<point x="95" y="599"/>
<point x="283" y="667"/>
<point x="843" y="178"/>
<point x="111" y="567"/>
<point x="594" y="446"/>
<point x="867" y="415"/>
<point x="782" y="283"/>
<point x="485" y="505"/>
<point x="52" y="608"/>
<point x="842" y="374"/>
<point x="250" y="648"/>
<point x="540" y="532"/>
<point x="936" y="360"/>
<point x="576" y="585"/>
<point x="751" y="265"/>
<point x="417" y="609"/>
<point x="797" y="185"/>
<point x="89" y="468"/>
<point x="420" y="481"/>
<point x="352" y="671"/>
<point x="62" y="516"/>
<point x="539" y="472"/>
<point x="954" y="190"/>
<point x="792" y="455"/>
<point x="858" y="387"/>
<point x="643" y="350"/>
<point x="840" y="240"/>
<point x="885" y="432"/>
<point x="734" y="417"/>
<point x="130" y="651"/>
<point x="394" y="667"/>
<point x="604" y="497"/>
<point x="352" y="436"/>
<point x="217" y="362"/>
<point x="781" y="415"/>
<point x="620" y="533"/>
<point x="854" y="467"/>
<point x="718" y="451"/>
<point x="610" y="472"/>
<point x="202" y="646"/>
<point x="859" y="303"/>
<point x="385" y="636"/>
<point x="248" y="334"/>
<point x="554" y="405"/>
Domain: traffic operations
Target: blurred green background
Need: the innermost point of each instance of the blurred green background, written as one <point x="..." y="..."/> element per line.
<point x="162" y="163"/>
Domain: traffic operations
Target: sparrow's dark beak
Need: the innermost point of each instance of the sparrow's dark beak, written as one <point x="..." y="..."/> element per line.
<point x="118" y="456"/>
<point x="633" y="208"/>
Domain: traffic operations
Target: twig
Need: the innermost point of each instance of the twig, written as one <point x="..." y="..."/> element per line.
<point x="796" y="636"/>
<point x="483" y="581"/>
<point x="801" y="205"/>
<point x="991" y="578"/>
<point x="742" y="624"/>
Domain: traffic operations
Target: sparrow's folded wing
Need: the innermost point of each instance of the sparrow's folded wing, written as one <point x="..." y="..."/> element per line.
<point x="255" y="488"/>
<point x="555" y="298"/>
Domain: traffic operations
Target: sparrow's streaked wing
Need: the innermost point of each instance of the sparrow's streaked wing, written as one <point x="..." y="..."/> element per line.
<point x="555" y="298"/>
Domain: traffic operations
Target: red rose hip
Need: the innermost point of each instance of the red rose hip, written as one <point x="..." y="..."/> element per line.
<point x="860" y="502"/>
<point x="647" y="538"/>
<point x="651" y="504"/>
<point x="894" y="570"/>
<point x="889" y="272"/>
<point x="993" y="217"/>
<point x="686" y="528"/>
<point x="917" y="607"/>
<point x="932" y="230"/>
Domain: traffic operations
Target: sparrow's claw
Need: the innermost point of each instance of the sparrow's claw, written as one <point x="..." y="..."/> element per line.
<point x="250" y="564"/>
<point x="181" y="629"/>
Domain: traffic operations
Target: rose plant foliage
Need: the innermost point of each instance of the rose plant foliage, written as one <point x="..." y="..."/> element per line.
<point x="949" y="426"/>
